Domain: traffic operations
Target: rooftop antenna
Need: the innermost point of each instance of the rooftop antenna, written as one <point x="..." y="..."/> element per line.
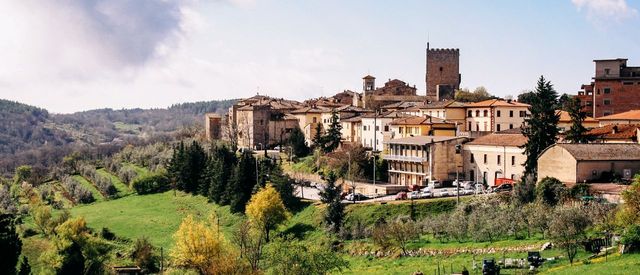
<point x="258" y="90"/>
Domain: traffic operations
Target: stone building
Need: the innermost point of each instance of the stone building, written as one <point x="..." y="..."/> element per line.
<point x="393" y="91"/>
<point x="261" y="121"/>
<point x="496" y="156"/>
<point x="594" y="162"/>
<point x="420" y="159"/>
<point x="442" y="73"/>
<point x="615" y="88"/>
<point x="213" y="126"/>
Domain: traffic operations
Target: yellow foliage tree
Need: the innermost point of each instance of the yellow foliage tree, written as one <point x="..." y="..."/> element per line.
<point x="199" y="246"/>
<point x="266" y="210"/>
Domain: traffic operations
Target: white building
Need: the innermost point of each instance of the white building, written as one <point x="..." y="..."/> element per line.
<point x="495" y="115"/>
<point x="375" y="127"/>
<point x="495" y="156"/>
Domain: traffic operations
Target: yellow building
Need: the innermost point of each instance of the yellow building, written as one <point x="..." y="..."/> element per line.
<point x="564" y="123"/>
<point x="421" y="126"/>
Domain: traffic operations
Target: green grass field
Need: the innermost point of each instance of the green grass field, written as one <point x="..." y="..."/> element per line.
<point x="141" y="171"/>
<point x="96" y="194"/>
<point x="155" y="216"/>
<point x="123" y="189"/>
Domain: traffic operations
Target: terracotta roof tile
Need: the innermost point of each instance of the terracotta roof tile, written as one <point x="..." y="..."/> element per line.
<point x="603" y="151"/>
<point x="565" y="117"/>
<point x="615" y="131"/>
<point x="631" y="115"/>
<point x="496" y="103"/>
<point x="501" y="139"/>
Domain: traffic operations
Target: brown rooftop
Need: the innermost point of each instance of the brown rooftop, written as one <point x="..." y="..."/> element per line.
<point x="497" y="103"/>
<point x="602" y="151"/>
<point x="565" y="117"/>
<point x="615" y="131"/>
<point x="502" y="139"/>
<point x="629" y="115"/>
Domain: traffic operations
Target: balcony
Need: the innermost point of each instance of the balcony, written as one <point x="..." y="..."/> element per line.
<point x="405" y="158"/>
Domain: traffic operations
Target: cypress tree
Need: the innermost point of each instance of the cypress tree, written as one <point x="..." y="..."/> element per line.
<point x="333" y="137"/>
<point x="10" y="244"/>
<point x="577" y="132"/>
<point x="241" y="186"/>
<point x="219" y="171"/>
<point x="318" y="140"/>
<point x="541" y="127"/>
<point x="334" y="214"/>
<point x="297" y="142"/>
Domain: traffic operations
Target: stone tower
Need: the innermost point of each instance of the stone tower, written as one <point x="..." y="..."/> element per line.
<point x="443" y="73"/>
<point x="368" y="84"/>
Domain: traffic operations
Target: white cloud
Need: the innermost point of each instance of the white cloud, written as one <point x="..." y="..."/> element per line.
<point x="600" y="11"/>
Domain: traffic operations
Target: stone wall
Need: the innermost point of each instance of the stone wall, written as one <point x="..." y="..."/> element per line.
<point x="443" y="72"/>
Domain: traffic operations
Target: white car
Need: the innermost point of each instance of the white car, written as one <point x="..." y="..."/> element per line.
<point x="414" y="195"/>
<point x="426" y="193"/>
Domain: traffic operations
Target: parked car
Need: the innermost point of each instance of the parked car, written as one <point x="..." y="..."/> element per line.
<point x="506" y="187"/>
<point x="426" y="193"/>
<point x="356" y="197"/>
<point x="401" y="196"/>
<point x="414" y="195"/>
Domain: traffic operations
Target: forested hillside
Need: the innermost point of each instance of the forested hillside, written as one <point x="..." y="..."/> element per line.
<point x="31" y="135"/>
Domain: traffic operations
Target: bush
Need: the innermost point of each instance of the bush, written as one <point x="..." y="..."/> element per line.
<point x="154" y="183"/>
<point x="631" y="237"/>
<point x="107" y="234"/>
<point x="77" y="191"/>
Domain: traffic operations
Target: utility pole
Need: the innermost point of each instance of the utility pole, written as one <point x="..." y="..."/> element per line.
<point x="375" y="143"/>
<point x="257" y="169"/>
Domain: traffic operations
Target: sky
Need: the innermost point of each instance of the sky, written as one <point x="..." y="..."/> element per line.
<point x="73" y="55"/>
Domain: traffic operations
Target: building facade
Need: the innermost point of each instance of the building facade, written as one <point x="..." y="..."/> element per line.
<point x="590" y="163"/>
<point x="420" y="159"/>
<point x="495" y="115"/>
<point x="495" y="156"/>
<point x="615" y="88"/>
<point x="213" y="126"/>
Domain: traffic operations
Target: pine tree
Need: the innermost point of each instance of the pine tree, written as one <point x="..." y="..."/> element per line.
<point x="196" y="161"/>
<point x="10" y="244"/>
<point x="241" y="186"/>
<point x="541" y="127"/>
<point x="334" y="136"/>
<point x="577" y="132"/>
<point x="176" y="167"/>
<point x="334" y="214"/>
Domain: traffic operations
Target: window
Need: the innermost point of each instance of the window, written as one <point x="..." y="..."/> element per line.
<point x="498" y="113"/>
<point x="607" y="102"/>
<point x="472" y="175"/>
<point x="498" y="127"/>
<point x="513" y="176"/>
<point x="437" y="113"/>
<point x="441" y="69"/>
<point x="477" y="126"/>
<point x="409" y="130"/>
<point x="477" y="113"/>
<point x="469" y="113"/>
<point x="377" y="128"/>
<point x="485" y="158"/>
<point x="469" y="126"/>
<point x="606" y="71"/>
<point x="511" y="113"/>
<point x="386" y="128"/>
<point x="499" y="159"/>
<point x="484" y="176"/>
<point x="523" y="113"/>
<point x="416" y="130"/>
<point x="400" y="130"/>
<point x="471" y="158"/>
<point x="589" y="103"/>
<point x="315" y="120"/>
<point x="607" y="90"/>
<point x="485" y="113"/>
<point x="510" y="126"/>
<point x="513" y="160"/>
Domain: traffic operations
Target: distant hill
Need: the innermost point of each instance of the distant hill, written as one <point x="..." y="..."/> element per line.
<point x="31" y="135"/>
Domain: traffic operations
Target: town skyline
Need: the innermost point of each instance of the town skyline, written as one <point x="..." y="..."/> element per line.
<point x="207" y="51"/>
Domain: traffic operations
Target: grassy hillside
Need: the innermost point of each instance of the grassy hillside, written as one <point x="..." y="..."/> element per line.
<point x="155" y="216"/>
<point x="96" y="194"/>
<point x="123" y="189"/>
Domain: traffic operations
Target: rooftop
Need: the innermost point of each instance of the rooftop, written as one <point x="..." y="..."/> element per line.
<point x="416" y="120"/>
<point x="420" y="140"/>
<point x="565" y="117"/>
<point x="628" y="115"/>
<point x="615" y="131"/>
<point x="512" y="137"/>
<point x="497" y="103"/>
<point x="602" y="151"/>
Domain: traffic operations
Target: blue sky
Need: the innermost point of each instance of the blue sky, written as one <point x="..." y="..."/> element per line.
<point x="76" y="55"/>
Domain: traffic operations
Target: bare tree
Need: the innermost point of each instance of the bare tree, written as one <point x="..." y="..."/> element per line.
<point x="251" y="244"/>
<point x="567" y="229"/>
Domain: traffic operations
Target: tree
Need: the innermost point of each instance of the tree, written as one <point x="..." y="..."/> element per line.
<point x="288" y="256"/>
<point x="401" y="231"/>
<point x="525" y="191"/>
<point x="526" y="97"/>
<point x="334" y="135"/>
<point x="631" y="207"/>
<point x="242" y="183"/>
<point x="318" y="138"/>
<point x="42" y="218"/>
<point x="25" y="267"/>
<point x="577" y="132"/>
<point x="334" y="214"/>
<point x="143" y="255"/>
<point x="219" y="172"/>
<point x="23" y="173"/>
<point x="550" y="191"/>
<point x="10" y="244"/>
<point x="541" y="127"/>
<point x="200" y="247"/>
<point x="298" y="143"/>
<point x="479" y="94"/>
<point x="250" y="242"/>
<point x="266" y="210"/>
<point x="567" y="230"/>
